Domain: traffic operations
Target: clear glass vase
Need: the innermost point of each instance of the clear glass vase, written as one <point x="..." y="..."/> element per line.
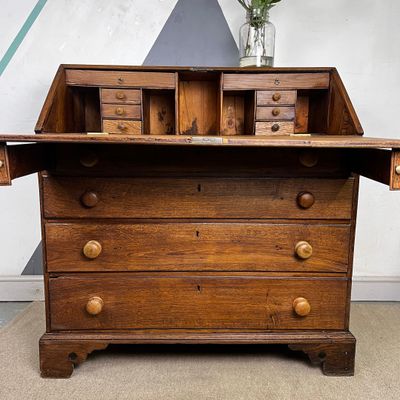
<point x="257" y="40"/>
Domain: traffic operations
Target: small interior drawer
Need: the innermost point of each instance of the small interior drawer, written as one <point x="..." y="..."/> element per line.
<point x="121" y="111"/>
<point x="126" y="96"/>
<point x="278" y="97"/>
<point x="131" y="301"/>
<point x="274" y="128"/>
<point x="277" y="113"/>
<point x="121" y="126"/>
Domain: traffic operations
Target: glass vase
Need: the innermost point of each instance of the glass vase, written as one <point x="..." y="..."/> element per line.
<point x="257" y="40"/>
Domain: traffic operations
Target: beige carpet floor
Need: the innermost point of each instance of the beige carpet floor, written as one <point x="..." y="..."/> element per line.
<point x="205" y="372"/>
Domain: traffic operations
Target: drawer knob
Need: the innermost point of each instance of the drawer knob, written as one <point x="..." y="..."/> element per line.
<point x="303" y="250"/>
<point x="301" y="306"/>
<point x="119" y="111"/>
<point x="122" y="126"/>
<point x="92" y="249"/>
<point x="275" y="128"/>
<point x="308" y="159"/>
<point x="305" y="199"/>
<point x="89" y="199"/>
<point x="1" y="163"/>
<point x="397" y="169"/>
<point x="276" y="112"/>
<point x="94" y="306"/>
<point x="89" y="159"/>
<point x="120" y="95"/>
<point x="276" y="97"/>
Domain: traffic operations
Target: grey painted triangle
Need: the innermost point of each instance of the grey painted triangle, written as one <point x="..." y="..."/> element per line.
<point x="195" y="34"/>
<point x="35" y="263"/>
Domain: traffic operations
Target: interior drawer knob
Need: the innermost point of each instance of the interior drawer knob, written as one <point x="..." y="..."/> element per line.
<point x="94" y="306"/>
<point x="92" y="249"/>
<point x="276" y="96"/>
<point x="121" y="126"/>
<point x="276" y="112"/>
<point x="305" y="199"/>
<point x="303" y="249"/>
<point x="89" y="199"/>
<point x="301" y="306"/>
<point x="119" y="111"/>
<point x="120" y="95"/>
<point x="275" y="128"/>
<point x="397" y="169"/>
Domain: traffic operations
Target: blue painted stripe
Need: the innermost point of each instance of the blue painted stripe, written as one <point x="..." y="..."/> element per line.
<point x="9" y="54"/>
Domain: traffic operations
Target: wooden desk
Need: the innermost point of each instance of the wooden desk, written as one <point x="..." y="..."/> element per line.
<point x="210" y="213"/>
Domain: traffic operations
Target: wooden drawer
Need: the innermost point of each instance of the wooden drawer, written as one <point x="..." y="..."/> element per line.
<point x="201" y="301"/>
<point x="236" y="246"/>
<point x="138" y="79"/>
<point x="274" y="81"/>
<point x="275" y="113"/>
<point x="195" y="198"/>
<point x="123" y="127"/>
<point x="131" y="111"/>
<point x="278" y="97"/>
<point x="126" y="96"/>
<point x="274" y="128"/>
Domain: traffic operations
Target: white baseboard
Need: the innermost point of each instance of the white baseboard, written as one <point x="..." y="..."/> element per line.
<point x="365" y="288"/>
<point x="21" y="288"/>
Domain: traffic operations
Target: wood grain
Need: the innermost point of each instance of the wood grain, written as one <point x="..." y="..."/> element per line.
<point x="197" y="198"/>
<point x="139" y="79"/>
<point x="121" y="111"/>
<point x="199" y="302"/>
<point x="125" y="96"/>
<point x="229" y="246"/>
<point x="273" y="81"/>
<point x="122" y="127"/>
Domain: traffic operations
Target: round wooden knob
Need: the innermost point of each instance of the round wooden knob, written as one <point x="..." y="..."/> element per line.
<point x="121" y="126"/>
<point x="94" y="306"/>
<point x="89" y="199"/>
<point x="92" y="249"/>
<point x="1" y="163"/>
<point x="120" y="95"/>
<point x="397" y="169"/>
<point x="276" y="112"/>
<point x="305" y="199"/>
<point x="301" y="306"/>
<point x="303" y="250"/>
<point x="89" y="159"/>
<point x="276" y="97"/>
<point x="308" y="159"/>
<point x="275" y="128"/>
<point x="119" y="111"/>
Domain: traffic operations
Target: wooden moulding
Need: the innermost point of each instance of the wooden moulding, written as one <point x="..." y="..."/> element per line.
<point x="5" y="178"/>
<point x="60" y="353"/>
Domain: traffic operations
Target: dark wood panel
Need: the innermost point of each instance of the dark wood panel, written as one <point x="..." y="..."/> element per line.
<point x="197" y="246"/>
<point x="202" y="302"/>
<point x="197" y="198"/>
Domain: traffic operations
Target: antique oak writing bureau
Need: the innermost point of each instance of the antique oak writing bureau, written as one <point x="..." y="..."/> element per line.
<point x="216" y="206"/>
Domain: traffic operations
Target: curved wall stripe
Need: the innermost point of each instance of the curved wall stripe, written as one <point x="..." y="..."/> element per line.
<point x="21" y="35"/>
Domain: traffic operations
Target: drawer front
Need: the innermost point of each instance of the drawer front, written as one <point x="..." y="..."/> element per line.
<point x="275" y="113"/>
<point x="123" y="127"/>
<point x="274" y="81"/>
<point x="274" y="128"/>
<point x="278" y="97"/>
<point x="116" y="79"/>
<point x="196" y="246"/>
<point x="130" y="301"/>
<point x="126" y="96"/>
<point x="132" y="111"/>
<point x="196" y="198"/>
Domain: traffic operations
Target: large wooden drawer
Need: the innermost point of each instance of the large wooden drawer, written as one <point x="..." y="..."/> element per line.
<point x="195" y="302"/>
<point x="196" y="198"/>
<point x="235" y="246"/>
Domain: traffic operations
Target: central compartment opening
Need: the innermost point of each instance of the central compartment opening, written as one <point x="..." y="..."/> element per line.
<point x="199" y="103"/>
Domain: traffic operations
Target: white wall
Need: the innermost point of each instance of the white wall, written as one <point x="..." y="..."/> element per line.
<point x="360" y="37"/>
